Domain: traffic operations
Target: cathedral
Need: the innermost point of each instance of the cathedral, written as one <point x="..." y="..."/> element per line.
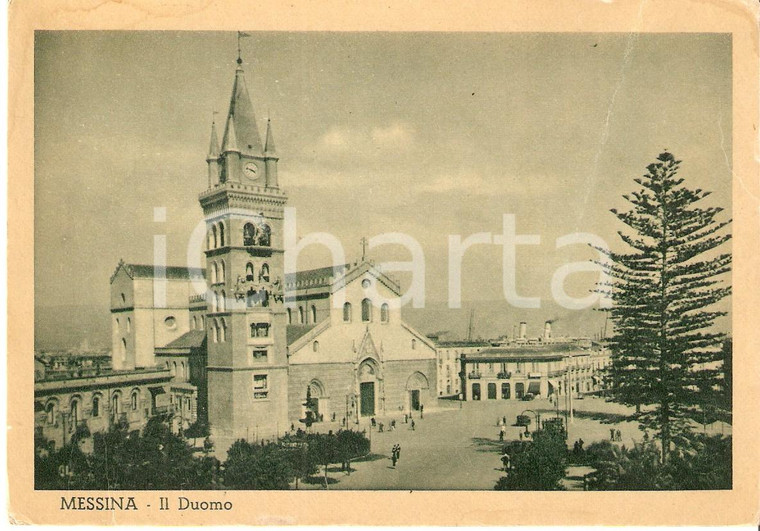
<point x="259" y="348"/>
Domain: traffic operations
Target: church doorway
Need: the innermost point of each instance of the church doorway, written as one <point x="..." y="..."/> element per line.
<point x="414" y="398"/>
<point x="368" y="390"/>
<point x="367" y="398"/>
<point x="415" y="384"/>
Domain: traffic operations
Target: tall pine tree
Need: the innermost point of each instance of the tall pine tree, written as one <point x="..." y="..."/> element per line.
<point x="665" y="350"/>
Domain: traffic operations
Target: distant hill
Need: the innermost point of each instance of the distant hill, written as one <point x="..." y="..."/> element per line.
<point x="67" y="326"/>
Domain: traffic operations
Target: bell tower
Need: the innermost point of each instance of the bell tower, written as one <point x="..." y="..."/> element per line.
<point x="246" y="321"/>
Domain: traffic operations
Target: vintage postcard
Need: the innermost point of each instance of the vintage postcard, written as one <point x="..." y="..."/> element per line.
<point x="398" y="264"/>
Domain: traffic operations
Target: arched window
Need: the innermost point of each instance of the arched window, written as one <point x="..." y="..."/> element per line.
<point x="384" y="312"/>
<point x="249" y="234"/>
<point x="51" y="412"/>
<point x="221" y="276"/>
<point x="313" y="314"/>
<point x="366" y="310"/>
<point x="182" y="373"/>
<point x="174" y="369"/>
<point x="115" y="404"/>
<point x="224" y="330"/>
<point x="221" y="234"/>
<point x="123" y="299"/>
<point x="264" y="273"/>
<point x="96" y="406"/>
<point x="195" y="322"/>
<point x="203" y="322"/>
<point x="249" y="272"/>
<point x="222" y="301"/>
<point x="134" y="400"/>
<point x="74" y="414"/>
<point x="300" y="315"/>
<point x="290" y="316"/>
<point x="414" y="344"/>
<point x="123" y="348"/>
<point x="315" y="346"/>
<point x="129" y="324"/>
<point x="214" y="237"/>
<point x="265" y="236"/>
<point x="216" y="331"/>
<point x="212" y="295"/>
<point x="347" y="312"/>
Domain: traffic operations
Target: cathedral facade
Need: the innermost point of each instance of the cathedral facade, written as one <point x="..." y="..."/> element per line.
<point x="267" y="341"/>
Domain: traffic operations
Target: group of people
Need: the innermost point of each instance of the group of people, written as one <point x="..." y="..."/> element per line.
<point x="395" y="454"/>
<point x="615" y="435"/>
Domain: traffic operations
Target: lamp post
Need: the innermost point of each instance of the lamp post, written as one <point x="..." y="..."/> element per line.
<point x="537" y="417"/>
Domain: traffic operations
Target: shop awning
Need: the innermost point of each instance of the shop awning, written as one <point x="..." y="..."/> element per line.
<point x="156" y="390"/>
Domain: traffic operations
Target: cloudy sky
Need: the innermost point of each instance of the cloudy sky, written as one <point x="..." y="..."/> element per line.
<point x="429" y="134"/>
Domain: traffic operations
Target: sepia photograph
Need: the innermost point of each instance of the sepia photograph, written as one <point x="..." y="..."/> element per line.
<point x="381" y="261"/>
<point x="383" y="264"/>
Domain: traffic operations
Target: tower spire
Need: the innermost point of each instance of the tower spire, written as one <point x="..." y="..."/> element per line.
<point x="269" y="148"/>
<point x="213" y="148"/>
<point x="240" y="35"/>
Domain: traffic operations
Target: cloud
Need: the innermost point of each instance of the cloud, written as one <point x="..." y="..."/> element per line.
<point x="397" y="135"/>
<point x="365" y="142"/>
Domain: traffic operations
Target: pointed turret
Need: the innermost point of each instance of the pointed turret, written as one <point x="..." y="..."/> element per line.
<point x="269" y="148"/>
<point x="212" y="159"/>
<point x="241" y="120"/>
<point x="270" y="158"/>
<point x="230" y="154"/>
<point x="213" y="148"/>
<point x="230" y="142"/>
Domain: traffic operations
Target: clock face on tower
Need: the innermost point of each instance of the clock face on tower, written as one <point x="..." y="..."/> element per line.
<point x="251" y="171"/>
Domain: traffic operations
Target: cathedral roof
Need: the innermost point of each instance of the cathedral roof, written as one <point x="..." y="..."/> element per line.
<point x="191" y="339"/>
<point x="297" y="331"/>
<point x="316" y="278"/>
<point x="241" y="120"/>
<point x="148" y="271"/>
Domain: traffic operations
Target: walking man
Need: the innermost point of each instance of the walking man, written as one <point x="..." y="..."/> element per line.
<point x="393" y="457"/>
<point x="612" y="434"/>
<point x="422" y="410"/>
<point x="412" y="424"/>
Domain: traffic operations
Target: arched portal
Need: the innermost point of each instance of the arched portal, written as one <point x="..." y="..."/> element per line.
<point x="318" y="399"/>
<point x="368" y="383"/>
<point x="415" y="385"/>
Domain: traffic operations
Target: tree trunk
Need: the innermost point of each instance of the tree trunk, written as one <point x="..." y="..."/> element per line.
<point x="348" y="466"/>
<point x="326" y="476"/>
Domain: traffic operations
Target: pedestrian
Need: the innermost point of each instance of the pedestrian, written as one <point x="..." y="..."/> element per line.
<point x="618" y="435"/>
<point x="412" y="424"/>
<point x="398" y="452"/>
<point x="422" y="411"/>
<point x="380" y="428"/>
<point x="406" y="419"/>
<point x="393" y="458"/>
<point x="501" y="436"/>
<point x="393" y="424"/>
<point x="504" y="420"/>
<point x="505" y="461"/>
<point x="521" y="436"/>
